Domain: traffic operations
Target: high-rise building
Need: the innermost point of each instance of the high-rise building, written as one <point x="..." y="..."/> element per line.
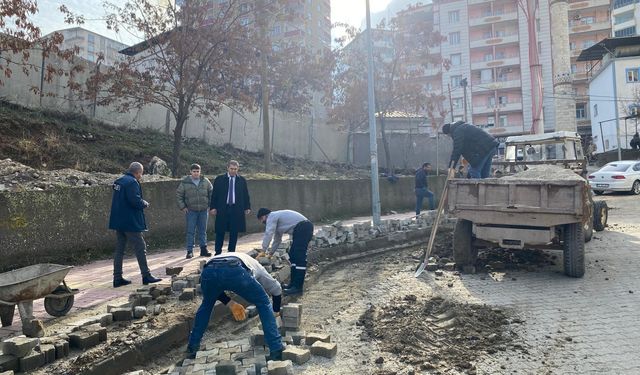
<point x="90" y="45"/>
<point x="625" y="15"/>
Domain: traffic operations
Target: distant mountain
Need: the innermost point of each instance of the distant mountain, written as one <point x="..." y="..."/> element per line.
<point x="394" y="7"/>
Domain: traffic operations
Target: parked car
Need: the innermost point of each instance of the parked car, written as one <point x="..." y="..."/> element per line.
<point x="621" y="175"/>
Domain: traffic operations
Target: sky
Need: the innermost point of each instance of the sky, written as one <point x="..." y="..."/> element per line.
<point x="49" y="18"/>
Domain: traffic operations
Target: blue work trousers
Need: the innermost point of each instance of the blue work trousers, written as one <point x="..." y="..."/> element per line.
<point x="196" y="220"/>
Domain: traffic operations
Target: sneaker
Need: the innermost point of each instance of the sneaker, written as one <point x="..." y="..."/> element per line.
<point x="120" y="282"/>
<point x="150" y="279"/>
<point x="189" y="254"/>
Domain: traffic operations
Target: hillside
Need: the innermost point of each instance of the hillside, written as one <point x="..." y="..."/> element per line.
<point x="46" y="140"/>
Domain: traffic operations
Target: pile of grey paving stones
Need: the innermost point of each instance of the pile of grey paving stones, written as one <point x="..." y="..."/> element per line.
<point x="248" y="355"/>
<point x="337" y="233"/>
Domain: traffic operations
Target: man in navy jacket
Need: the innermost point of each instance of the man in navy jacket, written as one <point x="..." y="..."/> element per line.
<point x="127" y="219"/>
<point x="477" y="146"/>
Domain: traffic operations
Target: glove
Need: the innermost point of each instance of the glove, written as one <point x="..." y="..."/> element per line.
<point x="452" y="172"/>
<point x="238" y="311"/>
<point x="261" y="254"/>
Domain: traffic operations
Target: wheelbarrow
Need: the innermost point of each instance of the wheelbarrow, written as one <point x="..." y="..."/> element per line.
<point x="24" y="285"/>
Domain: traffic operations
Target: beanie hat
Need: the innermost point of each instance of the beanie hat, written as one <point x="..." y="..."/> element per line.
<point x="263" y="211"/>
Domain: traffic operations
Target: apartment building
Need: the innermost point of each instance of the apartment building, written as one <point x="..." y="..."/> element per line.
<point x="90" y="45"/>
<point x="589" y="23"/>
<point x="625" y="15"/>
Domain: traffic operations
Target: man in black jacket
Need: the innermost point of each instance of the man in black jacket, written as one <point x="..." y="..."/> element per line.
<point x="230" y="203"/>
<point x="422" y="188"/>
<point x="477" y="146"/>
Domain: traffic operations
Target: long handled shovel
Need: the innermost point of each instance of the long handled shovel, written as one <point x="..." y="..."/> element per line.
<point x="434" y="228"/>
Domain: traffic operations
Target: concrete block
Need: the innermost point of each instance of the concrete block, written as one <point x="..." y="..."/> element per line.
<point x="156" y="293"/>
<point x="84" y="339"/>
<point x="324" y="349"/>
<point x="280" y="368"/>
<point x="251" y="311"/>
<point x="226" y="368"/>
<point x="122" y="314"/>
<point x="187" y="294"/>
<point x="290" y="322"/>
<point x="257" y="362"/>
<point x="139" y="312"/>
<point x="293" y="310"/>
<point x="19" y="346"/>
<point x="450" y="266"/>
<point x="110" y="307"/>
<point x="49" y="352"/>
<point x="217" y="345"/>
<point x="161" y="300"/>
<point x="9" y="362"/>
<point x="179" y="285"/>
<point x="164" y="288"/>
<point x="100" y="330"/>
<point x="105" y="319"/>
<point x="31" y="361"/>
<point x="312" y="337"/>
<point x="296" y="354"/>
<point x="297" y="336"/>
<point x="62" y="348"/>
<point x="193" y="280"/>
<point x="257" y="337"/>
<point x="173" y="271"/>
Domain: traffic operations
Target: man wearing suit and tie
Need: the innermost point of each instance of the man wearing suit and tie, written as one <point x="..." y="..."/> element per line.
<point x="229" y="203"/>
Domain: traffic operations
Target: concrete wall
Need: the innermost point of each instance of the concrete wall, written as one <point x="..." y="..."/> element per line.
<point x="69" y="225"/>
<point x="292" y="135"/>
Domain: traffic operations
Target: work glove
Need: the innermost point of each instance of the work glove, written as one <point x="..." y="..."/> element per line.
<point x="237" y="310"/>
<point x="263" y="254"/>
<point x="452" y="172"/>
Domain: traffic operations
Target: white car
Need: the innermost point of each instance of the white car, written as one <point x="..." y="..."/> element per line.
<point x="617" y="176"/>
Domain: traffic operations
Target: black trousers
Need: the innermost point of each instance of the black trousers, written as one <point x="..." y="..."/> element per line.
<point x="302" y="234"/>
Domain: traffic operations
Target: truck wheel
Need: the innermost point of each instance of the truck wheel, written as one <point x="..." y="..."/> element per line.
<point x="464" y="253"/>
<point x="573" y="245"/>
<point x="588" y="230"/>
<point x="600" y="215"/>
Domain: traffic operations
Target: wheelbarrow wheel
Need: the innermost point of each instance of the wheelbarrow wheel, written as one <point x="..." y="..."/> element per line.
<point x="58" y="306"/>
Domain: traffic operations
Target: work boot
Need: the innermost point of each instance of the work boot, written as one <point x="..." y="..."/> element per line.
<point x="150" y="279"/>
<point x="291" y="277"/>
<point x="275" y="356"/>
<point x="296" y="284"/>
<point x="118" y="282"/>
<point x="204" y="252"/>
<point x="189" y="254"/>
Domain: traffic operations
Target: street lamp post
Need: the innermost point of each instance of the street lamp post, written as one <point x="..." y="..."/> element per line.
<point x="373" y="142"/>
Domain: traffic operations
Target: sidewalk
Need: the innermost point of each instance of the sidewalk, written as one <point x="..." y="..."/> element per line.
<point x="94" y="280"/>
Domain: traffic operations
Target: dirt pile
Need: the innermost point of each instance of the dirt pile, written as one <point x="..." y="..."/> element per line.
<point x="438" y="334"/>
<point x="16" y="176"/>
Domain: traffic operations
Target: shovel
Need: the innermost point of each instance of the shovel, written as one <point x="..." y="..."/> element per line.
<point x="434" y="228"/>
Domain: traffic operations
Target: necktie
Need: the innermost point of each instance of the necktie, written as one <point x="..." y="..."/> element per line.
<point x="231" y="195"/>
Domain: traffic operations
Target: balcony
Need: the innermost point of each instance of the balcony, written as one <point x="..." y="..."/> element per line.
<point x="479" y="86"/>
<point x="495" y="63"/>
<point x="473" y="2"/>
<point x="488" y="20"/>
<point x="494" y="41"/>
<point x="510" y="129"/>
<point x="589" y="4"/>
<point x="596" y="26"/>
<point x="580" y="76"/>
<point x="488" y="109"/>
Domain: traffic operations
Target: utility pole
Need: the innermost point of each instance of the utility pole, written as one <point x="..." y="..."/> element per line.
<point x="264" y="50"/>
<point x="463" y="83"/>
<point x="450" y="102"/>
<point x="373" y="142"/>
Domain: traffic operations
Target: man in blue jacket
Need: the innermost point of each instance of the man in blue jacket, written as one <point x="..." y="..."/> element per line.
<point x="477" y="146"/>
<point x="127" y="219"/>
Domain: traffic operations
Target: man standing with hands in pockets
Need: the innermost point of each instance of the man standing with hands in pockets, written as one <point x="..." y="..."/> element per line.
<point x="230" y="203"/>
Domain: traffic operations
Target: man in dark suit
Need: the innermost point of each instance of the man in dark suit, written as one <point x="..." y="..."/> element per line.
<point x="230" y="203"/>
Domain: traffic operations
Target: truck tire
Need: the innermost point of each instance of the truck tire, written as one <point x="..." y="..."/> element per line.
<point x="573" y="246"/>
<point x="464" y="253"/>
<point x="588" y="229"/>
<point x="600" y="215"/>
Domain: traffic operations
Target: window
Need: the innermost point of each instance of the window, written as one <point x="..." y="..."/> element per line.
<point x="629" y="31"/>
<point x="488" y="57"/>
<point x="620" y="3"/>
<point x="456" y="59"/>
<point x="455" y="81"/>
<point x="574" y="68"/>
<point x="491" y="120"/>
<point x="500" y="55"/>
<point x="457" y="103"/>
<point x="588" y="20"/>
<point x="572" y="46"/>
<point x="503" y="121"/>
<point x="632" y="75"/>
<point x="454" y="16"/>
<point x="580" y="110"/>
<point x="595" y="110"/>
<point x="622" y="18"/>
<point x="457" y="118"/>
<point x="491" y="101"/>
<point x="486" y="75"/>
<point x="454" y="38"/>
<point x="587" y="43"/>
<point x="503" y="100"/>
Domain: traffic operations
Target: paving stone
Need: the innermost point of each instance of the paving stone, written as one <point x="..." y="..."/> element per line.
<point x="49" y="352"/>
<point x="139" y="312"/>
<point x="217" y="345"/>
<point x="122" y="314"/>
<point x="173" y="271"/>
<point x="161" y="300"/>
<point x="312" y="337"/>
<point x="100" y="330"/>
<point x="9" y="362"/>
<point x="293" y="310"/>
<point x="296" y="354"/>
<point x="193" y="280"/>
<point x="207" y="353"/>
<point x="226" y="368"/>
<point x="324" y="349"/>
<point x="257" y="362"/>
<point x="62" y="348"/>
<point x="280" y="368"/>
<point x="290" y="322"/>
<point x="19" y="346"/>
<point x="156" y="293"/>
<point x="31" y="361"/>
<point x="297" y="336"/>
<point x="84" y="339"/>
<point x="240" y="342"/>
<point x="179" y="285"/>
<point x="187" y="294"/>
<point x="231" y="350"/>
<point x="257" y="337"/>
<point x="165" y="288"/>
<point x="251" y="311"/>
<point x="105" y="319"/>
<point x="203" y="367"/>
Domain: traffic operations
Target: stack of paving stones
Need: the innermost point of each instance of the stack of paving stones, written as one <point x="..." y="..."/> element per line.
<point x="337" y="233"/>
<point x="23" y="354"/>
<point x="247" y="356"/>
